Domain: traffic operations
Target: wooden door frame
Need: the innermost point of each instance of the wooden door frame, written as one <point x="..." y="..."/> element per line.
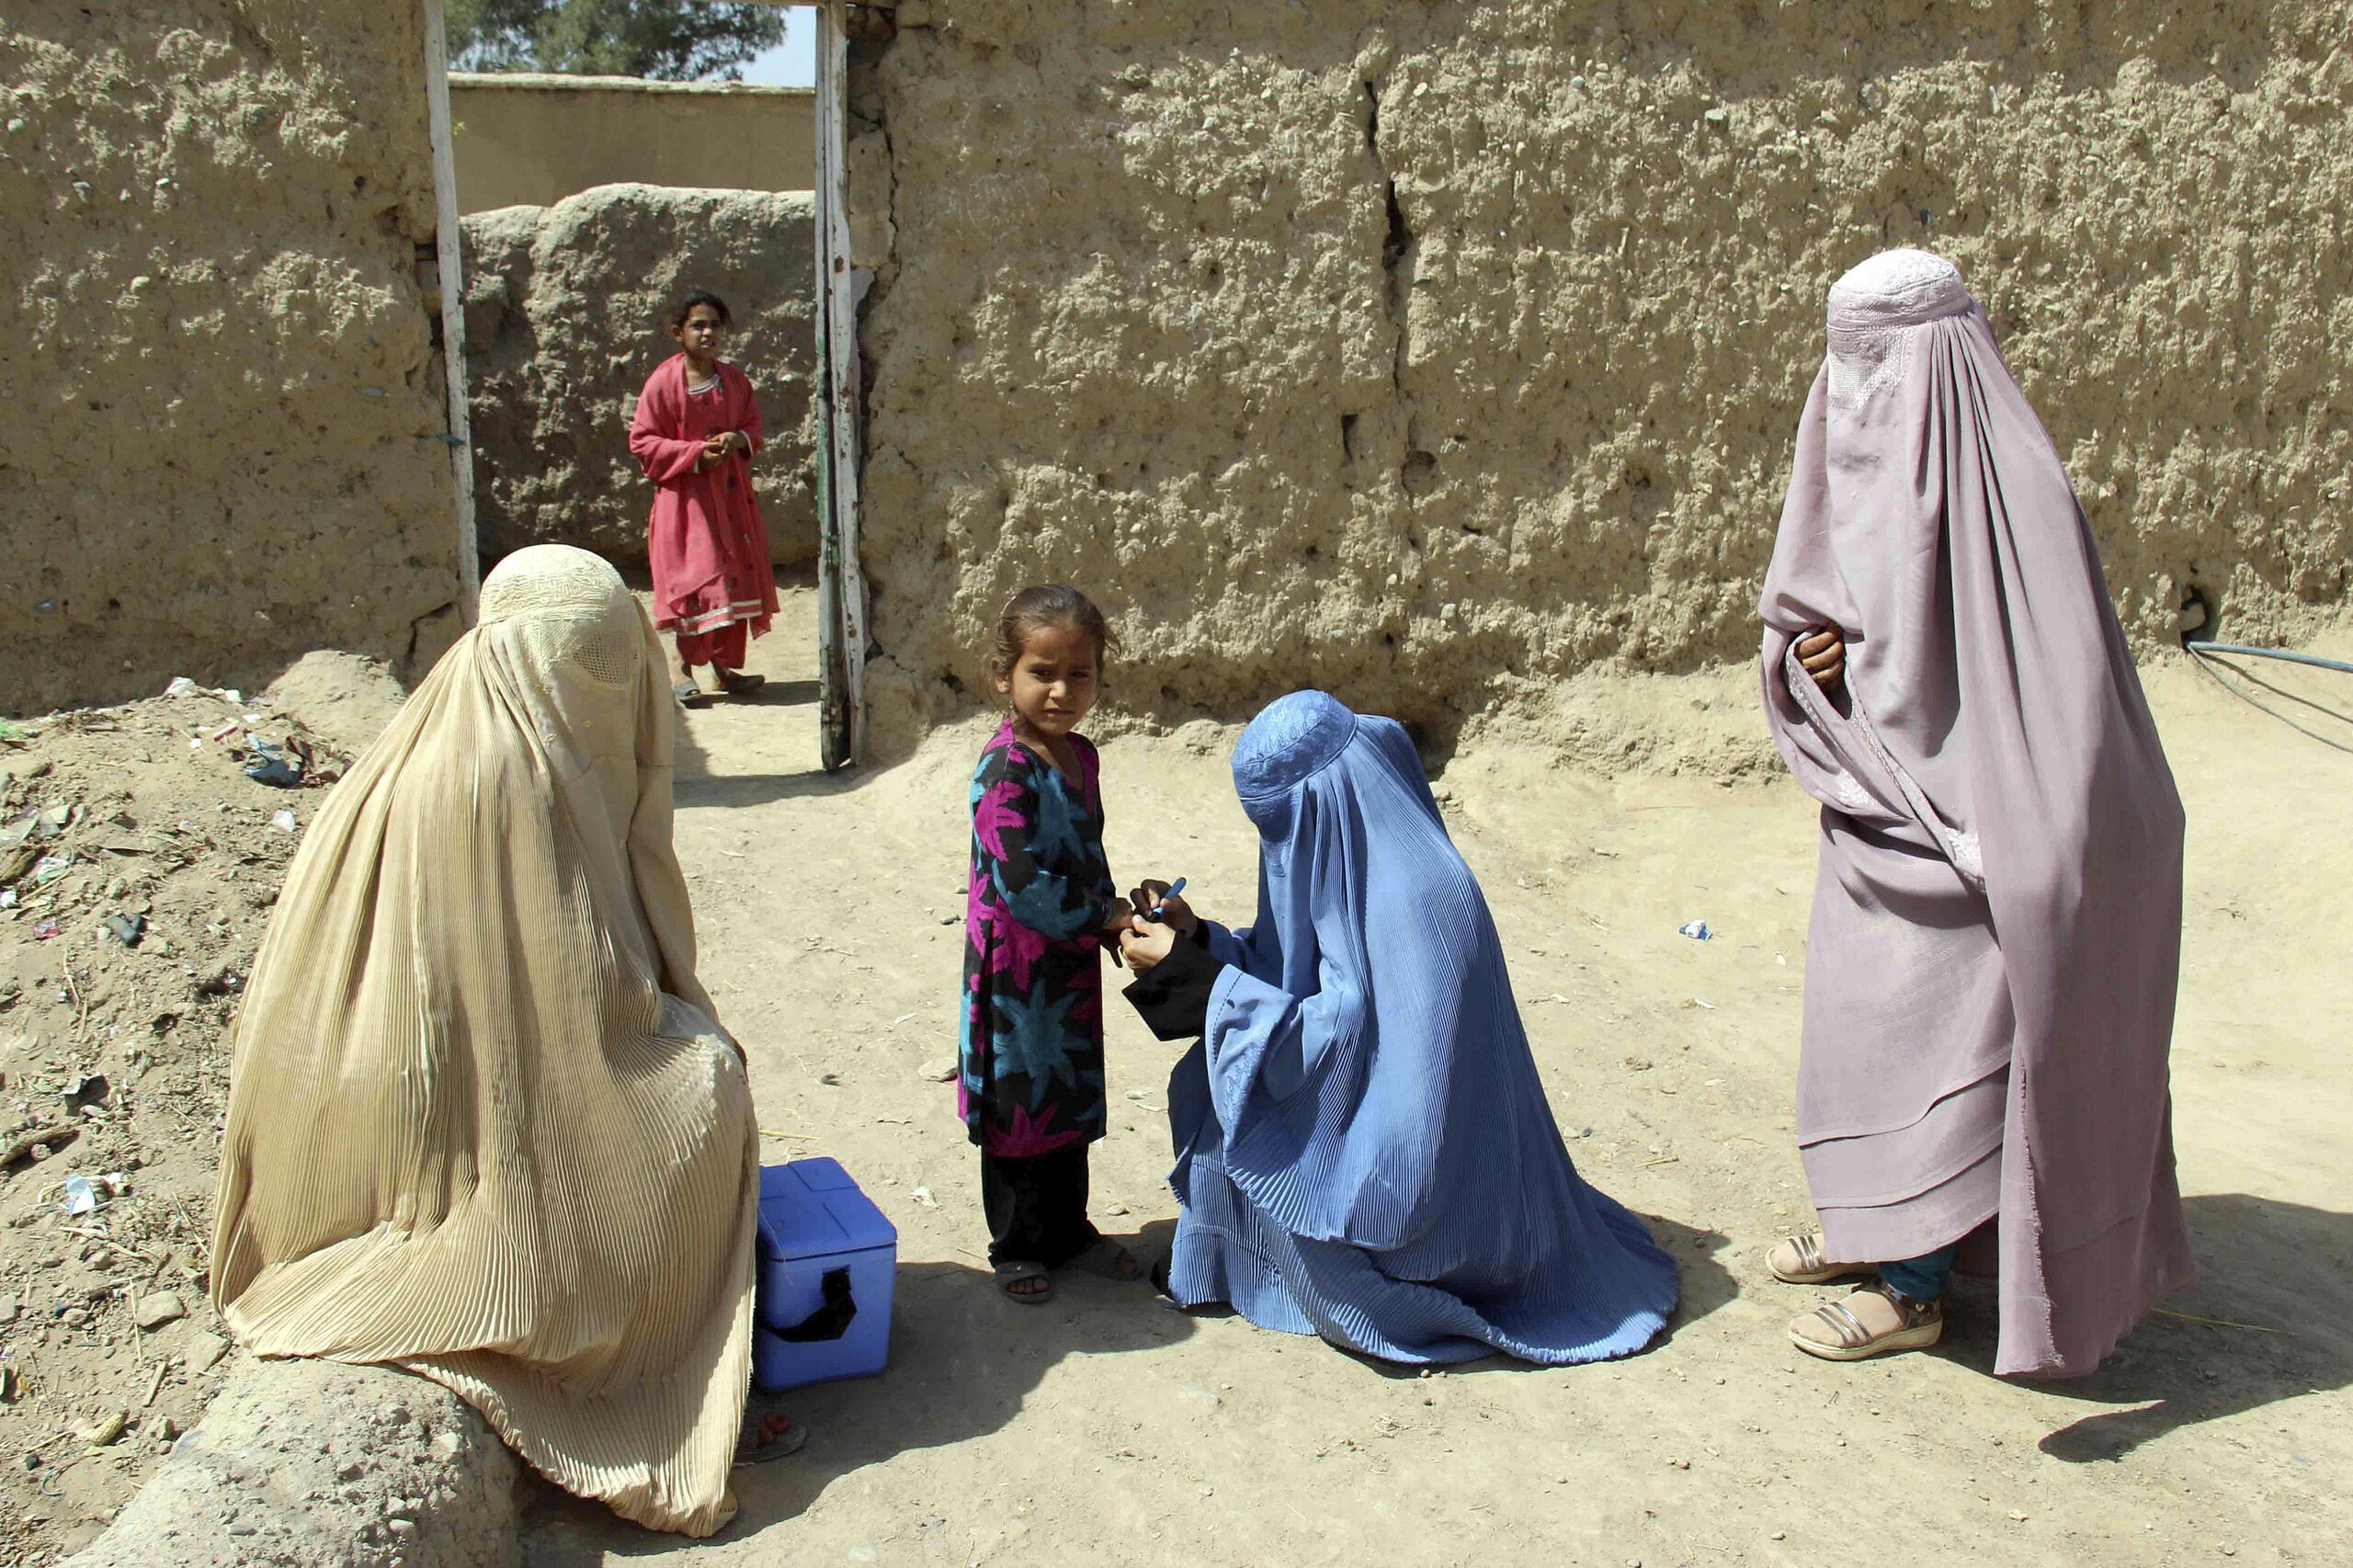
<point x="841" y="581"/>
<point x="448" y="250"/>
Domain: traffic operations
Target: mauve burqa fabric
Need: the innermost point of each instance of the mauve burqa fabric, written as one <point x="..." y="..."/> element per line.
<point x="481" y="1123"/>
<point x="1364" y="1150"/>
<point x="1997" y="918"/>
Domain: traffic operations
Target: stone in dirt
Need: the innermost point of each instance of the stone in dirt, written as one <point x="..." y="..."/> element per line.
<point x="266" y="1459"/>
<point x="154" y="1312"/>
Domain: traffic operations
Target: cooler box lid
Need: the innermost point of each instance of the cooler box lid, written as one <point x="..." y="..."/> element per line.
<point x="811" y="1208"/>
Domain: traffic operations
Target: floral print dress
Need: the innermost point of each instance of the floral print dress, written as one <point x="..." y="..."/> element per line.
<point x="1039" y="894"/>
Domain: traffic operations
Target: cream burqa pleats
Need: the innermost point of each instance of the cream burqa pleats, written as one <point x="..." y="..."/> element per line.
<point x="1989" y="986"/>
<point x="481" y="1123"/>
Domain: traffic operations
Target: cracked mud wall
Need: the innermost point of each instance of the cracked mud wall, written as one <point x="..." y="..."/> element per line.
<point x="1435" y="353"/>
<point x="222" y="407"/>
<point x="566" y="308"/>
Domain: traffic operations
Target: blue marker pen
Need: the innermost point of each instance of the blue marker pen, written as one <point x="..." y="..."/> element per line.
<point x="1162" y="907"/>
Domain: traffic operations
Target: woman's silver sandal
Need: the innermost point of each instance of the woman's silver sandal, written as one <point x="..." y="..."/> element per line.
<point x="1799" y="1260"/>
<point x="1835" y="1334"/>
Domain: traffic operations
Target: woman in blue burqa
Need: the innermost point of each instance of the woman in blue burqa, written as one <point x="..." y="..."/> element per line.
<point x="1363" y="1148"/>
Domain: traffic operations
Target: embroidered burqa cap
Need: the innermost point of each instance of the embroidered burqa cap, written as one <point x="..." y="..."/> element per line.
<point x="1997" y="926"/>
<point x="481" y="1123"/>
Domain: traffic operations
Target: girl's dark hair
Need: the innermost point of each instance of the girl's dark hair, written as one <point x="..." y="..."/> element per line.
<point x="1033" y="611"/>
<point x="693" y="296"/>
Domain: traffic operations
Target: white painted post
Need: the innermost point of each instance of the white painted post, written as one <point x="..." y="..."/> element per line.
<point x="448" y="253"/>
<point x="845" y="612"/>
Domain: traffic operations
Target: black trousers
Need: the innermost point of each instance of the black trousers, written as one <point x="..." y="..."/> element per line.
<point x="1037" y="1207"/>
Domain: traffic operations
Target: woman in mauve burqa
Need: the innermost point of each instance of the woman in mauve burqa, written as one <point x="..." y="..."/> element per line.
<point x="483" y="1122"/>
<point x="1997" y="919"/>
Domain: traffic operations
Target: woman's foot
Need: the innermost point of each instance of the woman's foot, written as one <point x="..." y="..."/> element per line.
<point x="1869" y="1320"/>
<point x="737" y="683"/>
<point x="1108" y="1260"/>
<point x="689" y="692"/>
<point x="1025" y="1282"/>
<point x="1799" y="1260"/>
<point x="769" y="1436"/>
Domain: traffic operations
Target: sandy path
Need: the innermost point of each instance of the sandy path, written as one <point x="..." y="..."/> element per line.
<point x="1108" y="1425"/>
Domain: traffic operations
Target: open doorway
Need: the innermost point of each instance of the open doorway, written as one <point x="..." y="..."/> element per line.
<point x="583" y="204"/>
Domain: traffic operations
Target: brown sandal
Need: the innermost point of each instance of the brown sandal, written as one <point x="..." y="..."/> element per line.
<point x="1800" y="1260"/>
<point x="1835" y="1334"/>
<point x="739" y="683"/>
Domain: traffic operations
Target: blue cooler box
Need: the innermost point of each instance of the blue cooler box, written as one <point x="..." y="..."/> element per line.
<point x="827" y="1260"/>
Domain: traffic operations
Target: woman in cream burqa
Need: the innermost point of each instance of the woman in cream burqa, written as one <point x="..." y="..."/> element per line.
<point x="1996" y="933"/>
<point x="1364" y="1151"/>
<point x="482" y="1123"/>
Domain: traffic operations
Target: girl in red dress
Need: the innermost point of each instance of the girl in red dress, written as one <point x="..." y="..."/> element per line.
<point x="696" y="428"/>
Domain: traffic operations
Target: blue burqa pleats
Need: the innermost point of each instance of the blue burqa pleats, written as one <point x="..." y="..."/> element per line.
<point x="1363" y="1148"/>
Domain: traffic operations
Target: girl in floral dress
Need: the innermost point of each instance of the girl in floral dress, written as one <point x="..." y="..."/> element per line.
<point x="1038" y="911"/>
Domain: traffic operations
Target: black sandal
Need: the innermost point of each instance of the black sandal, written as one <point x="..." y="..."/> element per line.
<point x="751" y="1449"/>
<point x="737" y="683"/>
<point x="1106" y="1259"/>
<point x="1010" y="1274"/>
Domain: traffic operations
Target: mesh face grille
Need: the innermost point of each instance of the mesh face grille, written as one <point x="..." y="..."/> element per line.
<point x="1864" y="363"/>
<point x="604" y="649"/>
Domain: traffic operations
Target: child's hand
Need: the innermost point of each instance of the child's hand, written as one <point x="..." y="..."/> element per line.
<point x="1174" y="912"/>
<point x="1824" y="654"/>
<point x="714" y="449"/>
<point x="1145" y="943"/>
<point x="1116" y="927"/>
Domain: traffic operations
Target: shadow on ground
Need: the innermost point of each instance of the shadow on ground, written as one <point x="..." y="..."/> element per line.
<point x="2270" y="1319"/>
<point x="963" y="1360"/>
<point x="759" y="789"/>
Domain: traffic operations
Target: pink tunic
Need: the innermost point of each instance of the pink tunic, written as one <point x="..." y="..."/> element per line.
<point x="704" y="540"/>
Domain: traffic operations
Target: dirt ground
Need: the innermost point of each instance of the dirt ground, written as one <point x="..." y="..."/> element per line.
<point x="114" y="1061"/>
<point x="1108" y="1426"/>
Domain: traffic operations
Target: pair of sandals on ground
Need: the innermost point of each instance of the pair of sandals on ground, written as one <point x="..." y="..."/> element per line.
<point x="1875" y="1319"/>
<point x="1032" y="1284"/>
<point x="734" y="683"/>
